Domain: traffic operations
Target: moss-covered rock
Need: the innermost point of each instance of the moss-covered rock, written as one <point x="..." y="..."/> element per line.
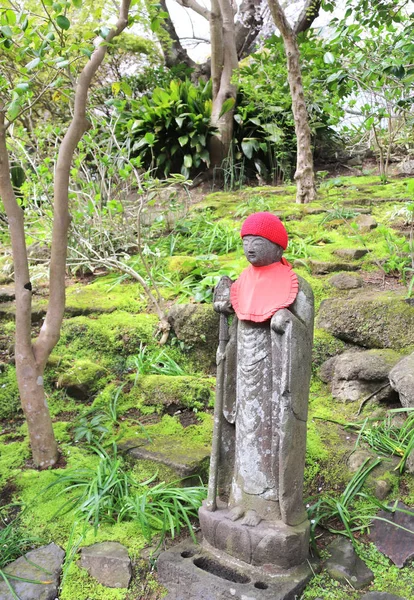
<point x="104" y="296"/>
<point x="370" y="319"/>
<point x="196" y="326"/>
<point x="325" y="346"/>
<point x="83" y="379"/>
<point x="163" y="392"/>
<point x="9" y="393"/>
<point x="183" y="265"/>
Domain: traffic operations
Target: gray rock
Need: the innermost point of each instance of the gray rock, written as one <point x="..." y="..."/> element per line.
<point x="197" y="326"/>
<point x="6" y="293"/>
<point x="406" y="167"/>
<point x="395" y="542"/>
<point x="357" y="459"/>
<point x="327" y="370"/>
<point x="345" y="566"/>
<point x="108" y="563"/>
<point x="369" y="319"/>
<point x="402" y="380"/>
<point x="360" y="374"/>
<point x="381" y="596"/>
<point x="319" y="267"/>
<point x="49" y="558"/>
<point x="382" y="489"/>
<point x="346" y="281"/>
<point x="351" y="253"/>
<point x="409" y="465"/>
<point x="366" y="223"/>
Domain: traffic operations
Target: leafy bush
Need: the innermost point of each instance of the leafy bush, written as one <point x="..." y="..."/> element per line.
<point x="170" y="128"/>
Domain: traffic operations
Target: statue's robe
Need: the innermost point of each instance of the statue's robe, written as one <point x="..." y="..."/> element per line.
<point x="268" y="368"/>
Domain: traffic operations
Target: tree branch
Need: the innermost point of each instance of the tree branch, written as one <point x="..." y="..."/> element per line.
<point x="196" y="7"/>
<point x="50" y="331"/>
<point x="309" y="13"/>
<point x="170" y="42"/>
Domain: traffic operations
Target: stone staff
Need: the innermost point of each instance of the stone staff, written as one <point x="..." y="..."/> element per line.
<point x="221" y="305"/>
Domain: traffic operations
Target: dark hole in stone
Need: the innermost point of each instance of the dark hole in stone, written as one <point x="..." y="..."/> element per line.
<point x="187" y="553"/>
<point x="260" y="585"/>
<point x="211" y="566"/>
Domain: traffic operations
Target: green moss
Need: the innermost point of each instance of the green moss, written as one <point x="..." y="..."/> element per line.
<point x="325" y="346"/>
<point x="162" y="391"/>
<point x="78" y="584"/>
<point x="9" y="393"/>
<point x="323" y="586"/>
<point x="61" y="431"/>
<point x="183" y="265"/>
<point x="105" y="295"/>
<point x="83" y="379"/>
<point x="12" y="457"/>
<point x="388" y="577"/>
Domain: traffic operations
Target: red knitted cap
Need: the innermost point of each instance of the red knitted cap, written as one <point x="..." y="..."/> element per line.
<point x="266" y="225"/>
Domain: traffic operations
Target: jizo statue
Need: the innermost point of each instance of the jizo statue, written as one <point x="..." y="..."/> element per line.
<point x="254" y="510"/>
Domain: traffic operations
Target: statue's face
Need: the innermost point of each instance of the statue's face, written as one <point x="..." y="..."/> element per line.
<point x="261" y="252"/>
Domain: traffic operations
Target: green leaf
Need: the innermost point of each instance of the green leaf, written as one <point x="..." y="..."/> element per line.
<point x="11" y="17"/>
<point x="179" y="121"/>
<point x="328" y="58"/>
<point x="6" y="31"/>
<point x="248" y="146"/>
<point x="183" y="140"/>
<point x="188" y="161"/>
<point x="13" y="110"/>
<point x="227" y="105"/>
<point x="126" y="88"/>
<point x="103" y="32"/>
<point x="77" y="3"/>
<point x="33" y="64"/>
<point x="21" y="88"/>
<point x="63" y="22"/>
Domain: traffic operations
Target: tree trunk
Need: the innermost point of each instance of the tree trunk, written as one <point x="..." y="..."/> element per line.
<point x="29" y="373"/>
<point x="31" y="358"/>
<point x="304" y="176"/>
<point x="224" y="62"/>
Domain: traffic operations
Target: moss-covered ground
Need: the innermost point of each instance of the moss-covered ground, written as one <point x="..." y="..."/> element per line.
<point x="108" y="380"/>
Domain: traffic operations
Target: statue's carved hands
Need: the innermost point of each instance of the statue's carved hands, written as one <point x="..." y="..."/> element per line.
<point x="221" y="298"/>
<point x="280" y="320"/>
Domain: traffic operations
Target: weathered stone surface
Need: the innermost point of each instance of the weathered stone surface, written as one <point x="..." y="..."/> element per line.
<point x="346" y="281"/>
<point x="193" y="572"/>
<point x="108" y="563"/>
<point x="196" y="325"/>
<point x="49" y="558"/>
<point x="351" y="253"/>
<point x="6" y="293"/>
<point x="395" y="542"/>
<point x="345" y="566"/>
<point x="402" y="380"/>
<point x="81" y="381"/>
<point x="357" y="459"/>
<point x="409" y="465"/>
<point x="168" y="450"/>
<point x="382" y="489"/>
<point x="366" y="222"/>
<point x="370" y="319"/>
<point x="406" y="167"/>
<point x="381" y="596"/>
<point x="319" y="267"/>
<point x="359" y="374"/>
<point x="327" y="369"/>
<point x="267" y="543"/>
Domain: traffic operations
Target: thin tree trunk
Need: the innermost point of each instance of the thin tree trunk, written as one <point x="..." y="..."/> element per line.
<point x="304" y="176"/>
<point x="31" y="358"/>
<point x="223" y="88"/>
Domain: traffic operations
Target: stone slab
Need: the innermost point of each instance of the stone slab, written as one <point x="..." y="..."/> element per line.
<point x="381" y="596"/>
<point x="345" y="565"/>
<point x="193" y="572"/>
<point x="395" y="542"/>
<point x="48" y="558"/>
<point x="108" y="563"/>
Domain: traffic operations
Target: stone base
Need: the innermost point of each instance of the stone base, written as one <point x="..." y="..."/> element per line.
<point x="192" y="572"/>
<point x="268" y="543"/>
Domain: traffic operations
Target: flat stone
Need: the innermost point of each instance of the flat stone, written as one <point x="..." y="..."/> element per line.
<point x="192" y="572"/>
<point x="171" y="452"/>
<point x="402" y="380"/>
<point x="319" y="267"/>
<point x="7" y="293"/>
<point x="357" y="459"/>
<point x="108" y="563"/>
<point x="366" y="223"/>
<point x="49" y="558"/>
<point x="351" y="253"/>
<point x="369" y="319"/>
<point x="345" y="566"/>
<point x="394" y="542"/>
<point x="381" y="596"/>
<point x="346" y="281"/>
<point x="382" y="489"/>
<point x="406" y="167"/>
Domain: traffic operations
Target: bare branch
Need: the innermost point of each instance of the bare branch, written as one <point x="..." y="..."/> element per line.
<point x="309" y="13"/>
<point x="196" y="7"/>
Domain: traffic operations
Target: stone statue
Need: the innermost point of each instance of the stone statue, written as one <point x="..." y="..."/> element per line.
<point x="254" y="511"/>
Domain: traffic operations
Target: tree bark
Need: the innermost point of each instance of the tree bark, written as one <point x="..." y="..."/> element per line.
<point x="31" y="358"/>
<point x="304" y="176"/>
<point x="222" y="72"/>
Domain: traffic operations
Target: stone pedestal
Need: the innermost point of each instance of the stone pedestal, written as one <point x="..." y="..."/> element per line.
<point x="193" y="572"/>
<point x="268" y="543"/>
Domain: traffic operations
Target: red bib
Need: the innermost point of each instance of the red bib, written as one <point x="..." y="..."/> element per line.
<point x="261" y="291"/>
